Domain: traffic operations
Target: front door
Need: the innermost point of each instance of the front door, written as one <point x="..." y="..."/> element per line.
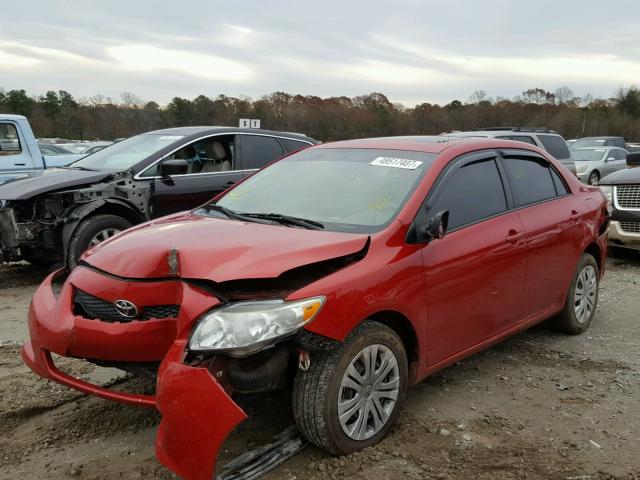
<point x="212" y="168"/>
<point x="474" y="275"/>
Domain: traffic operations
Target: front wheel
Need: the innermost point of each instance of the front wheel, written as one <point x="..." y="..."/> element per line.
<point x="582" y="298"/>
<point x="91" y="232"/>
<point x="594" y="178"/>
<point x="350" y="396"/>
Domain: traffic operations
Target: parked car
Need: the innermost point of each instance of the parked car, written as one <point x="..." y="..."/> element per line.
<point x="347" y="270"/>
<point x="594" y="163"/>
<point x="633" y="147"/>
<point x="55" y="217"/>
<point x="622" y="189"/>
<point x="52" y="149"/>
<point x="96" y="147"/>
<point x="544" y="138"/>
<point x="20" y="156"/>
<point x="599" y="142"/>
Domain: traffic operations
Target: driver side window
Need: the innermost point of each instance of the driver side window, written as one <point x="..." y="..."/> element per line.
<point x="473" y="193"/>
<point x="209" y="155"/>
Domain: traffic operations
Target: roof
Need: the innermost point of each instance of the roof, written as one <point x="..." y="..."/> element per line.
<point x="211" y="129"/>
<point x="425" y="143"/>
<point x="11" y="116"/>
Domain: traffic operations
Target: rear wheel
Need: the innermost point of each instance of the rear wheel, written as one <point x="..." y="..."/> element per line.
<point x="582" y="298"/>
<point x="594" y="178"/>
<point x="350" y="396"/>
<point x="91" y="232"/>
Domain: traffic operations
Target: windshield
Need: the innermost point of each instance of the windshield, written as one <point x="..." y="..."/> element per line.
<point x="125" y="154"/>
<point x="589" y="155"/>
<point x="350" y="190"/>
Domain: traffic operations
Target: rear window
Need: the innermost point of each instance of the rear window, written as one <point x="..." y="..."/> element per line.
<point x="556" y="146"/>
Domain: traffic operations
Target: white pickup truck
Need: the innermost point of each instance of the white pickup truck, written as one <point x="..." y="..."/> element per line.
<point x="20" y="155"/>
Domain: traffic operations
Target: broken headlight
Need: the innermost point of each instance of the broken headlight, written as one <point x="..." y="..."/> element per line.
<point x="607" y="190"/>
<point x="244" y="328"/>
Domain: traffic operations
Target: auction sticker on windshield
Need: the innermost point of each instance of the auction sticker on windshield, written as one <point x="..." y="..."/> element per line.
<point x="396" y="163"/>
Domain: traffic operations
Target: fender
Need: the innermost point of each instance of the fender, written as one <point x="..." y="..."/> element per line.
<point x="79" y="213"/>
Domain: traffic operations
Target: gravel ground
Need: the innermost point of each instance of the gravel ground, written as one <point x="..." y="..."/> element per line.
<point x="540" y="405"/>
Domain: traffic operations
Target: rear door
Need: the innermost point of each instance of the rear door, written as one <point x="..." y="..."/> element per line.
<point x="474" y="275"/>
<point x="15" y="158"/>
<point x="550" y="215"/>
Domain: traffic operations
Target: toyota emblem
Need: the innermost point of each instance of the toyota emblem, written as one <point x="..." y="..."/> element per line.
<point x="126" y="308"/>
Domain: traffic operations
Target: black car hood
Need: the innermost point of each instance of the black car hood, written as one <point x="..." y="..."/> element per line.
<point x="622" y="177"/>
<point x="49" y="181"/>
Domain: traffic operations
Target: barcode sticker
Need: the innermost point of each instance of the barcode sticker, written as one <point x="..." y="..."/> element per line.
<point x="396" y="163"/>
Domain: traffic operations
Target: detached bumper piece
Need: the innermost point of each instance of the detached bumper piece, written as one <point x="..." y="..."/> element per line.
<point x="197" y="417"/>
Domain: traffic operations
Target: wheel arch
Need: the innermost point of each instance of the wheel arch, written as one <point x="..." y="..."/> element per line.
<point x="594" y="250"/>
<point x="111" y="206"/>
<point x="403" y="327"/>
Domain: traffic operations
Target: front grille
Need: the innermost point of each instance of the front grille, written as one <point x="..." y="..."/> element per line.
<point x="96" y="308"/>
<point x="628" y="196"/>
<point x="630" y="227"/>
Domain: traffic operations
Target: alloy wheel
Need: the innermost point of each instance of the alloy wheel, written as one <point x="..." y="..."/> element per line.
<point x="103" y="235"/>
<point x="368" y="392"/>
<point x="584" y="299"/>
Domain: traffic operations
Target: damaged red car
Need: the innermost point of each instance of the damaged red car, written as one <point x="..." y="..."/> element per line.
<point x="345" y="272"/>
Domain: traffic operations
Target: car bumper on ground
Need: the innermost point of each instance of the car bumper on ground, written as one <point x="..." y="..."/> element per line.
<point x="55" y="328"/>
<point x="197" y="416"/>
<point x="624" y="234"/>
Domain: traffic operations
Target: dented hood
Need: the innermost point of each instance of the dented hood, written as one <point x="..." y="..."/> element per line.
<point x="192" y="246"/>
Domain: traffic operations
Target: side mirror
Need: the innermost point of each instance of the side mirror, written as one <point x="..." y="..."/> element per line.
<point x="437" y="226"/>
<point x="610" y="159"/>
<point x="175" y="166"/>
<point x="633" y="159"/>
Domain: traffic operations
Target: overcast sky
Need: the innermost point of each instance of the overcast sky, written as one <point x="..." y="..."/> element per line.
<point x="413" y="51"/>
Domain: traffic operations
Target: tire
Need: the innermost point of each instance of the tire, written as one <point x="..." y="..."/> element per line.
<point x="594" y="178"/>
<point x="316" y="392"/>
<point x="572" y="320"/>
<point x="87" y="232"/>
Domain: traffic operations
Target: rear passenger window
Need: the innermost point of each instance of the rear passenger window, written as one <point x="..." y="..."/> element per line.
<point x="555" y="145"/>
<point x="473" y="193"/>
<point x="292" y="145"/>
<point x="259" y="150"/>
<point x="561" y="187"/>
<point x="530" y="180"/>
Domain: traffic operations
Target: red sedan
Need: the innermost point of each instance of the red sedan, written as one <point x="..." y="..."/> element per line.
<point x="346" y="272"/>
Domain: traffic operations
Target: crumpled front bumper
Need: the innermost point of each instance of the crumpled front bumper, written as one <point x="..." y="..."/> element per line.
<point x="197" y="416"/>
<point x="54" y="328"/>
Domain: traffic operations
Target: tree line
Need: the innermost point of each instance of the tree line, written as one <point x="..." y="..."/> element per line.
<point x="58" y="114"/>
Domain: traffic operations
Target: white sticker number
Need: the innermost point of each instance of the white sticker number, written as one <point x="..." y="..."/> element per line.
<point x="396" y="163"/>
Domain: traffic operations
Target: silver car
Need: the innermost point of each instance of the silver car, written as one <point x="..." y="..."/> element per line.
<point x="595" y="163"/>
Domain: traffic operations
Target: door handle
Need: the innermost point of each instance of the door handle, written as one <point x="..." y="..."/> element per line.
<point x="20" y="164"/>
<point x="574" y="215"/>
<point x="514" y="236"/>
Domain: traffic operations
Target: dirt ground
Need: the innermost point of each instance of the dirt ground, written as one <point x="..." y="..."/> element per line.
<point x="540" y="405"/>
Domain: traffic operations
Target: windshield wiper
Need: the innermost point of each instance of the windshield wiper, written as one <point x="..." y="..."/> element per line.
<point x="287" y="220"/>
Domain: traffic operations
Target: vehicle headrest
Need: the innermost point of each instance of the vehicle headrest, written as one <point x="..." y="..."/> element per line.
<point x="218" y="150"/>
